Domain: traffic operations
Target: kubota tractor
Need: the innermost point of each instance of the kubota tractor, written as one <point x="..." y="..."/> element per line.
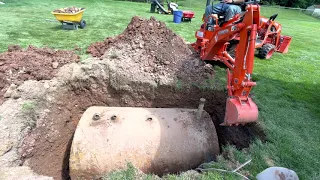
<point x="244" y="33"/>
<point x="269" y="38"/>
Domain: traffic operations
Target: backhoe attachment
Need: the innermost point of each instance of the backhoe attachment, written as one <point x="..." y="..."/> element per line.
<point x="240" y="112"/>
<point x="212" y="43"/>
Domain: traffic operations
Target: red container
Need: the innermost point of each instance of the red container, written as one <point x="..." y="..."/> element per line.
<point x="188" y="14"/>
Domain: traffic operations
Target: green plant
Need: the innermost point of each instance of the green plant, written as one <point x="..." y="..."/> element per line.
<point x="29" y="112"/>
<point x="128" y="174"/>
<point x="28" y="106"/>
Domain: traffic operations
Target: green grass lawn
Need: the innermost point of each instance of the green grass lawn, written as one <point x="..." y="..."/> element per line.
<point x="288" y="85"/>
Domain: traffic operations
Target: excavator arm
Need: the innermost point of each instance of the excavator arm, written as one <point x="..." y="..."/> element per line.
<point x="212" y="43"/>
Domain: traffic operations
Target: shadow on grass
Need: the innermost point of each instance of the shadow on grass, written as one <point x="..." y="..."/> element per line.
<point x="295" y="94"/>
<point x="57" y="28"/>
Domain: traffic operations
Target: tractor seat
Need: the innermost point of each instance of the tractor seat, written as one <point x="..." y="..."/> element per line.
<point x="220" y="19"/>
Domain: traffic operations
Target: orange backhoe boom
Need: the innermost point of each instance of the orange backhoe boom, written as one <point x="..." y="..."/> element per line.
<point x="212" y="43"/>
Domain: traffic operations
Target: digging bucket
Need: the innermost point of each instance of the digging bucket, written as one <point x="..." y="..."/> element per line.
<point x="154" y="140"/>
<point x="284" y="44"/>
<point x="240" y="112"/>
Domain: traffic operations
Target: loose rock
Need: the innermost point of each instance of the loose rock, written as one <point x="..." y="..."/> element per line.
<point x="15" y="95"/>
<point x="55" y="65"/>
<point x="277" y="173"/>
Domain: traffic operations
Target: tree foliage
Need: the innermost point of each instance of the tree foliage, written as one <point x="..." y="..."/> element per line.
<point x="292" y="3"/>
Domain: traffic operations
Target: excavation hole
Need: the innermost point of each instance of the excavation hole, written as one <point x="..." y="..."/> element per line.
<point x="50" y="155"/>
<point x="155" y="68"/>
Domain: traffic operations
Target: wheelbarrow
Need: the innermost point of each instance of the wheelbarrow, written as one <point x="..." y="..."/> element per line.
<point x="71" y="21"/>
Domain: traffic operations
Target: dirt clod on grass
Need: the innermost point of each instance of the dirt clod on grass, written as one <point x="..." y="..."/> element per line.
<point x="18" y="65"/>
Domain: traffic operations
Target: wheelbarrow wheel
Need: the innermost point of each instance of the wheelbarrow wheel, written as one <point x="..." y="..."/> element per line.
<point x="83" y="24"/>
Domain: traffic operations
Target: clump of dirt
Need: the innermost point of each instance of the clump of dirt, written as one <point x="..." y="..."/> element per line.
<point x="69" y="10"/>
<point x="238" y="136"/>
<point x="12" y="48"/>
<point x="18" y="65"/>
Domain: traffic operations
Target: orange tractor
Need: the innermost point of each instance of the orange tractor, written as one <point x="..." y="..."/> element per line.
<point x="246" y="32"/>
<point x="270" y="39"/>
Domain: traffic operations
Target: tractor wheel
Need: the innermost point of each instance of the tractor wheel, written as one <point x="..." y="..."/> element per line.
<point x="83" y="24"/>
<point x="266" y="51"/>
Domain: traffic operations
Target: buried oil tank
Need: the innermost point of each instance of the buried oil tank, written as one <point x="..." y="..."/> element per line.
<point x="155" y="140"/>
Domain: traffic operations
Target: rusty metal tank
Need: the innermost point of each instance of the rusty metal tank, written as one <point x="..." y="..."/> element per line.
<point x="155" y="140"/>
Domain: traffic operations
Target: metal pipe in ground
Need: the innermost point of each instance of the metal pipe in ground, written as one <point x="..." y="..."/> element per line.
<point x="200" y="108"/>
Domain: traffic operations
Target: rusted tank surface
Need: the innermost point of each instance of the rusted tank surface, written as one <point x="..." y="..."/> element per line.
<point x="155" y="140"/>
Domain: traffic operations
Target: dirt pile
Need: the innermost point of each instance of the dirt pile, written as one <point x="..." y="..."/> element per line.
<point x="18" y="65"/>
<point x="158" y="42"/>
<point x="148" y="49"/>
<point x="69" y="10"/>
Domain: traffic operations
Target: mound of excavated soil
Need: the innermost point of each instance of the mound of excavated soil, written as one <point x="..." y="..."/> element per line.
<point x="147" y="49"/>
<point x="18" y="65"/>
<point x="158" y="42"/>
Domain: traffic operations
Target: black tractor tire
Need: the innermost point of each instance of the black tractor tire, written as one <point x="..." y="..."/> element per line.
<point x="266" y="51"/>
<point x="83" y="24"/>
